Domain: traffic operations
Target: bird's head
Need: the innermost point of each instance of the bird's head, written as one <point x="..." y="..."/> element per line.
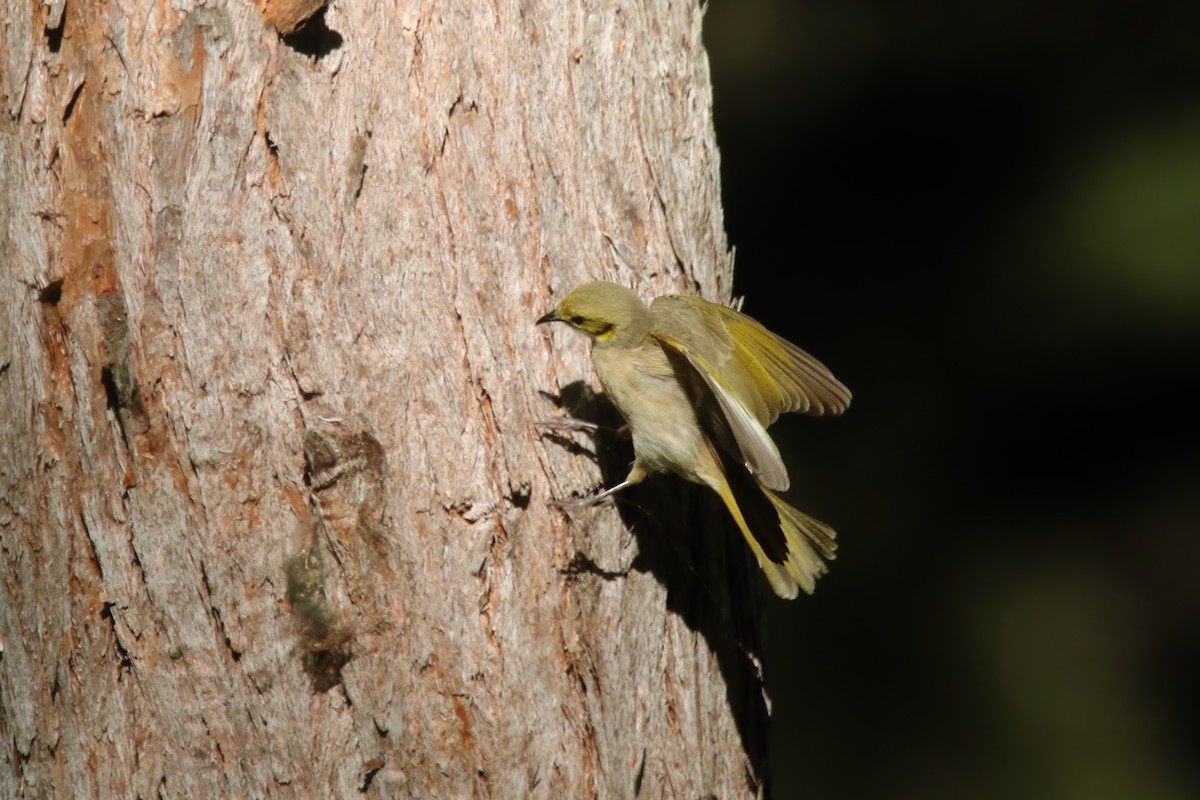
<point x="605" y="312"/>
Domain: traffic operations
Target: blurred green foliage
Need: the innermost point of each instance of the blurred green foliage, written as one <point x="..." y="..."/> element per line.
<point x="1122" y="232"/>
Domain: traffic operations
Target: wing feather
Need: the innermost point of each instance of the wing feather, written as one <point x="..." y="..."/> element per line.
<point x="750" y="437"/>
<point x="754" y="375"/>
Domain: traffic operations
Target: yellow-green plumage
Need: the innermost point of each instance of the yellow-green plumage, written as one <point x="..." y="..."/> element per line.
<point x="698" y="384"/>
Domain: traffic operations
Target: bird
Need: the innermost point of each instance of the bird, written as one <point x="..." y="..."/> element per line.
<point x="698" y="383"/>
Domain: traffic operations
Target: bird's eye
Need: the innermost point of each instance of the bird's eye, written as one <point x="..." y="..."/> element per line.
<point x="576" y="320"/>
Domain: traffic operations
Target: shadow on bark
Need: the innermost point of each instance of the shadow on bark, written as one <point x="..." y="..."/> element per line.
<point x="687" y="540"/>
<point x="314" y="38"/>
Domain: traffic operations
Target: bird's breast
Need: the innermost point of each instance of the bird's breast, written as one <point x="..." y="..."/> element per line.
<point x="645" y="389"/>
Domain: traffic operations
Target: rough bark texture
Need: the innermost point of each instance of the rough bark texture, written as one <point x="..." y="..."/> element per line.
<point x="274" y="508"/>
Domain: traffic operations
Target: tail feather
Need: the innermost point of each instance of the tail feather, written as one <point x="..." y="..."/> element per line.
<point x="791" y="547"/>
<point x="810" y="544"/>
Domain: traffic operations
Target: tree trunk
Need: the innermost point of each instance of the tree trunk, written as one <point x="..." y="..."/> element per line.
<point x="274" y="505"/>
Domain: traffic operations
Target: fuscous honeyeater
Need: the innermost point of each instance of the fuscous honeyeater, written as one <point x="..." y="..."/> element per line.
<point x="698" y="384"/>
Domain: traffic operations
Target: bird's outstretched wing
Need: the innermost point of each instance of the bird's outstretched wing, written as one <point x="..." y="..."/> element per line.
<point x="754" y="375"/>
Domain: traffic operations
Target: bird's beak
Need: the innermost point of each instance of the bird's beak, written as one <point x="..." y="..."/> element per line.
<point x="551" y="317"/>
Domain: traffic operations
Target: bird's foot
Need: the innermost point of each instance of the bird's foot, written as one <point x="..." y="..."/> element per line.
<point x="577" y="503"/>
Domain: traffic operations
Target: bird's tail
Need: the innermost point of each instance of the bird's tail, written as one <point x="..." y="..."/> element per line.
<point x="791" y="547"/>
<point x="810" y="543"/>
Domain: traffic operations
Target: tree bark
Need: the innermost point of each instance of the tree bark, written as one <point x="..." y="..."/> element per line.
<point x="274" y="505"/>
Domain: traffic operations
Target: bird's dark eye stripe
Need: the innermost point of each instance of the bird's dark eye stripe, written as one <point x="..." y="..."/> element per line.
<point x="576" y="320"/>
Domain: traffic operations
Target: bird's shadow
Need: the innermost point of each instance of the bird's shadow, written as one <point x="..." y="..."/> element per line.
<point x="687" y="541"/>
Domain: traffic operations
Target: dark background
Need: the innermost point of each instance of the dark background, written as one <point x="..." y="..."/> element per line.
<point x="985" y="218"/>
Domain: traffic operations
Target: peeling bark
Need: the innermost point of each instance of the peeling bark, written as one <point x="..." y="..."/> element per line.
<point x="274" y="510"/>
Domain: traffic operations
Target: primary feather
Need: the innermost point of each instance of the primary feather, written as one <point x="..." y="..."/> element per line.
<point x="754" y="375"/>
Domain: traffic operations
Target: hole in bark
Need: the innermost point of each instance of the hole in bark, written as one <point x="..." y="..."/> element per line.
<point x="110" y="389"/>
<point x="54" y="35"/>
<point x="52" y="293"/>
<point x="113" y="399"/>
<point x="314" y="38"/>
<point x="521" y="494"/>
